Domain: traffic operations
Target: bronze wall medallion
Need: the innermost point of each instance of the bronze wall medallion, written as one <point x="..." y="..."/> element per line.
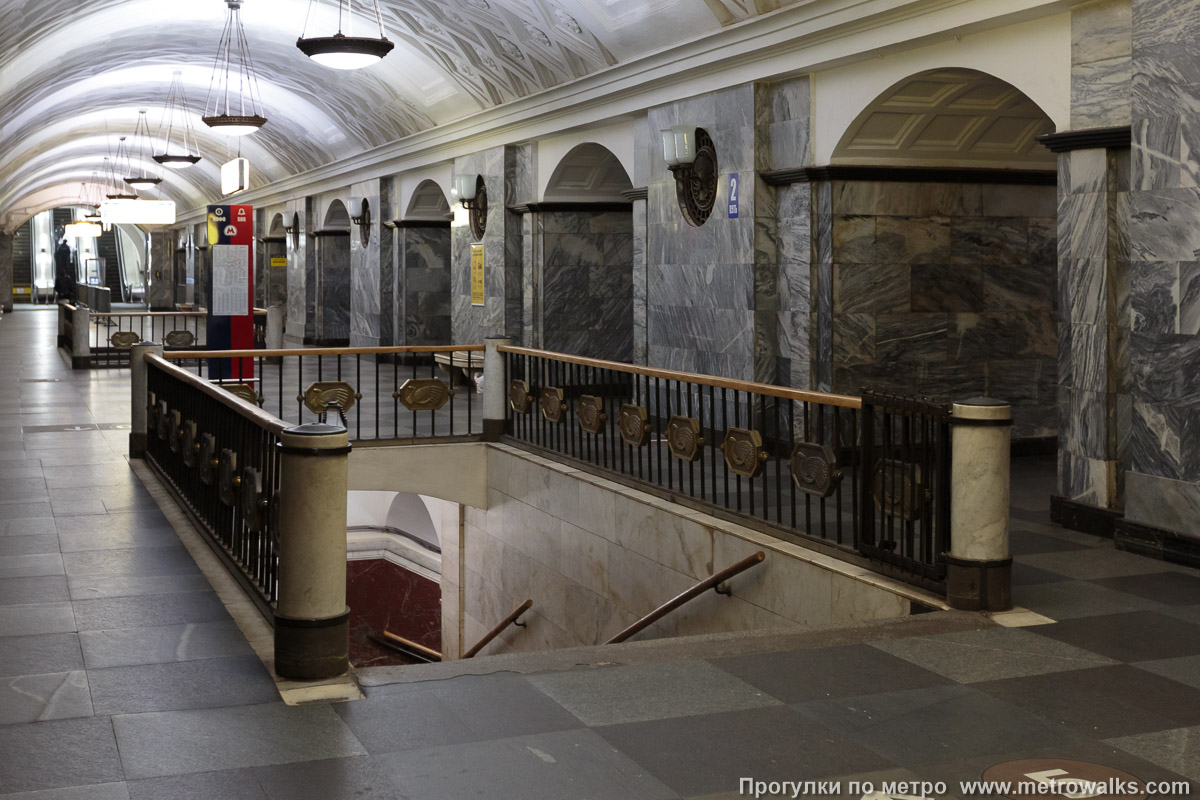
<point x="179" y="339"/>
<point x="424" y="394"/>
<point x="814" y="469"/>
<point x="519" y="397"/>
<point x="590" y="411"/>
<point x="242" y="391"/>
<point x="479" y="211"/>
<point x="322" y="395"/>
<point x="684" y="439"/>
<point x="633" y="425"/>
<point x="123" y="340"/>
<point x="552" y="404"/>
<point x="743" y="452"/>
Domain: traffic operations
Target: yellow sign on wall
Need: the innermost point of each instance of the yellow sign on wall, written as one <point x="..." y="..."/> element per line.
<point x="476" y="274"/>
<point x="277" y="261"/>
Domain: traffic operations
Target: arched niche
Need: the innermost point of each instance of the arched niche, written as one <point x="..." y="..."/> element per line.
<point x="589" y="172"/>
<point x="428" y="202"/>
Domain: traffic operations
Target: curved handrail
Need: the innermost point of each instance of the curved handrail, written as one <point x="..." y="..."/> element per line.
<point x="261" y="418"/>
<point x="511" y="619"/>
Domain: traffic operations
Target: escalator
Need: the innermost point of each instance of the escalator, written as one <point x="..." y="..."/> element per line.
<point x="106" y="247"/>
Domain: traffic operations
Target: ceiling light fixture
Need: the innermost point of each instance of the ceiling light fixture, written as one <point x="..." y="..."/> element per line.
<point x="114" y="189"/>
<point x="341" y="51"/>
<point x="242" y="113"/>
<point x="177" y="112"/>
<point x="141" y="143"/>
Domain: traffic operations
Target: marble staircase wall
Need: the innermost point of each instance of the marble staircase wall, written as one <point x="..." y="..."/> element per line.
<point x="587" y="283"/>
<point x="947" y="290"/>
<point x="1163" y="485"/>
<point x="424" y="259"/>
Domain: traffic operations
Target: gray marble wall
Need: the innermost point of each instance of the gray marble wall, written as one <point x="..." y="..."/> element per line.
<point x="311" y="283"/>
<point x="200" y="265"/>
<point x="508" y="174"/>
<point x="424" y="258"/>
<point x="260" y="259"/>
<point x="6" y="271"/>
<point x="1094" y="329"/>
<point x="1163" y="485"/>
<point x="365" y="309"/>
<point x="297" y="279"/>
<point x="947" y="290"/>
<point x="638" y="273"/>
<point x="586" y="282"/>
<point x="333" y="290"/>
<point x="160" y="291"/>
<point x="1101" y="59"/>
<point x="387" y="264"/>
<point x="274" y="278"/>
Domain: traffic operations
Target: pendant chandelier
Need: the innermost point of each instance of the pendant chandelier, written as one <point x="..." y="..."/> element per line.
<point x="118" y="191"/>
<point x="233" y="107"/>
<point x="141" y="145"/>
<point x="341" y="51"/>
<point x="90" y="196"/>
<point x="176" y="115"/>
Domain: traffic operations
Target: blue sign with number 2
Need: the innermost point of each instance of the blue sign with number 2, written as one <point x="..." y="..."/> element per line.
<point x="733" y="196"/>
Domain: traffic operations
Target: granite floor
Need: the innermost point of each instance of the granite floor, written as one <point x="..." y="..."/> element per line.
<point x="122" y="675"/>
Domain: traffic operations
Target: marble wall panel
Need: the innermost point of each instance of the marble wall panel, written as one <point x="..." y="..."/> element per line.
<point x="365" y="271"/>
<point x="311" y="281"/>
<point x="333" y="296"/>
<point x="274" y="278"/>
<point x="160" y="293"/>
<point x="425" y="287"/>
<point x="297" y="274"/>
<point x="1101" y="64"/>
<point x="788" y="124"/>
<point x="387" y="264"/>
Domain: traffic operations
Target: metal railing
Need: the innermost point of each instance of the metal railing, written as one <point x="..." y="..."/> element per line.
<point x="791" y="462"/>
<point x="218" y="454"/>
<point x="111" y="334"/>
<point x="384" y="394"/>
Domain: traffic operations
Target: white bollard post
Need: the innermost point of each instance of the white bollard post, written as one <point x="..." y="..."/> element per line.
<point x="312" y="622"/>
<point x="979" y="566"/>
<point x="81" y="330"/>
<point x="139" y="402"/>
<point x="495" y="391"/>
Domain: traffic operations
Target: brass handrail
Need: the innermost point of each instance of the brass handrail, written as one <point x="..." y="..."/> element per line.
<point x="800" y="395"/>
<point x="428" y="652"/>
<point x="251" y="412"/>
<point x="496" y="631"/>
<point x="692" y="593"/>
<point x="324" y="351"/>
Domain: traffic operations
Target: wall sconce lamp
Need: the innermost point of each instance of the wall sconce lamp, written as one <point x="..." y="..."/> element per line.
<point x="471" y="191"/>
<point x="363" y="221"/>
<point x="692" y="158"/>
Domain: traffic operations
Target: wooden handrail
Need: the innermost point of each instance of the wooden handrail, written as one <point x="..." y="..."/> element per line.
<point x="251" y="412"/>
<point x="687" y="377"/>
<point x="496" y="631"/>
<point x="692" y="593"/>
<point x="323" y="351"/>
<point x="94" y="313"/>
<point x="429" y="652"/>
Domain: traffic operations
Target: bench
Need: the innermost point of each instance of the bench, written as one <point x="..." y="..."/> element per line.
<point x="458" y="364"/>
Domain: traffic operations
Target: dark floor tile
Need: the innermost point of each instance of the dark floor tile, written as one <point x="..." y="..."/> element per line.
<point x="125" y="647"/>
<point x="116" y="790"/>
<point x="1177" y="750"/>
<point x="331" y="779"/>
<point x="94" y="587"/>
<point x="548" y="766"/>
<point x="137" y="561"/>
<point x="40" y="589"/>
<point x="207" y="683"/>
<point x="34" y="544"/>
<point x="1022" y="543"/>
<point x="1103" y="702"/>
<point x="708" y="754"/>
<point x="1169" y="588"/>
<point x="923" y="726"/>
<point x="1185" y="669"/>
<point x="117" y="540"/>
<point x="795" y="676"/>
<point x="404" y="721"/>
<point x="149" y="610"/>
<point x="47" y="755"/>
<point x="502" y="705"/>
<point x="127" y="522"/>
<point x="1025" y="575"/>
<point x="46" y="652"/>
<point x="1136" y="636"/>
<point x="1071" y="599"/>
<point x="228" y="784"/>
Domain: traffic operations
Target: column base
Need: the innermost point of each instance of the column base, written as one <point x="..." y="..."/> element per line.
<point x="493" y="429"/>
<point x="979" y="585"/>
<point x="312" y="649"/>
<point x="81" y="362"/>
<point x="137" y="445"/>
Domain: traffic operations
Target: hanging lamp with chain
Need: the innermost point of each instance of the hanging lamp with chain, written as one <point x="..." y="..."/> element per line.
<point x="177" y="123"/>
<point x="342" y="50"/>
<point x="234" y="105"/>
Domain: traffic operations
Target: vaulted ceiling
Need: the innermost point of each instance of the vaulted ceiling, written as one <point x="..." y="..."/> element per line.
<point x="75" y="73"/>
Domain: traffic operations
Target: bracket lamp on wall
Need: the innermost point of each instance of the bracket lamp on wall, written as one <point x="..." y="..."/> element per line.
<point x="342" y="51"/>
<point x="692" y="158"/>
<point x="471" y="191"/>
<point x="363" y="221"/>
<point x="234" y="107"/>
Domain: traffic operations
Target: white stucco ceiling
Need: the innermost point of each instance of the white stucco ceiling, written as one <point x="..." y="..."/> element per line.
<point x="72" y="73"/>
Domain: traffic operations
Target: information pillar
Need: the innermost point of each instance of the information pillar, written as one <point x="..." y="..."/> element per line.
<point x="231" y="290"/>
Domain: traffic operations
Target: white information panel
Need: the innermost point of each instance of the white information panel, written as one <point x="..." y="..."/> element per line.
<point x="230" y="280"/>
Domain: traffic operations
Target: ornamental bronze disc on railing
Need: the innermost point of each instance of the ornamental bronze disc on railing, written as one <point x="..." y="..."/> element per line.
<point x="123" y="340"/>
<point x="174" y="421"/>
<point x="590" y="410"/>
<point x="229" y="480"/>
<point x="635" y="430"/>
<point x="743" y="452"/>
<point x="253" y="504"/>
<point x="814" y="469"/>
<point x="322" y="395"/>
<point x="189" y="444"/>
<point x="179" y="339"/>
<point x="161" y="419"/>
<point x="208" y="458"/>
<point x="423" y="394"/>
<point x="898" y="489"/>
<point x="552" y="404"/>
<point x="684" y="439"/>
<point x="519" y="396"/>
<point x="243" y="391"/>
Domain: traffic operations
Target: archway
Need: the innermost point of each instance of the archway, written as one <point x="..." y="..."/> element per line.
<point x="272" y="277"/>
<point x="943" y="274"/>
<point x="423" y="268"/>
<point x="587" y="256"/>
<point x="333" y="278"/>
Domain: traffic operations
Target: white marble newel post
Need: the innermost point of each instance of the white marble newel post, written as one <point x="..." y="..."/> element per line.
<point x="312" y="632"/>
<point x="494" y="388"/>
<point x="81" y="329"/>
<point x="139" y="402"/>
<point x="979" y="567"/>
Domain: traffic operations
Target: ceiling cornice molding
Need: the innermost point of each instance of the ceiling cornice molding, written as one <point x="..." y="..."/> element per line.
<point x="801" y="38"/>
